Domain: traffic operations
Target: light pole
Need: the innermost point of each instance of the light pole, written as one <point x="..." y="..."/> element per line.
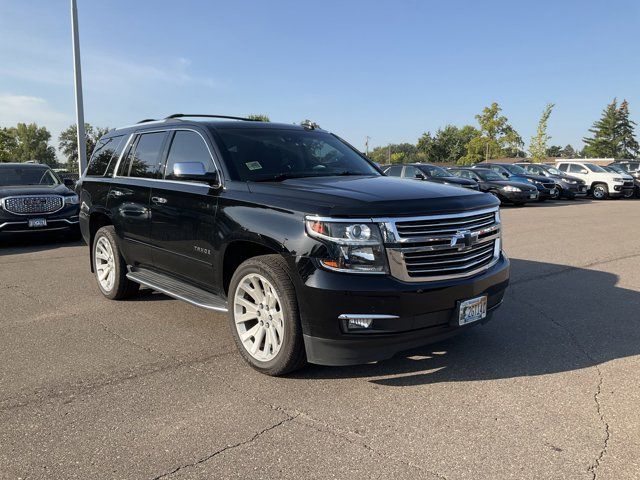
<point x="77" y="75"/>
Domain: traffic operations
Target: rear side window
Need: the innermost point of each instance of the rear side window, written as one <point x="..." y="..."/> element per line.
<point x="104" y="156"/>
<point x="145" y="156"/>
<point x="394" y="170"/>
<point x="187" y="146"/>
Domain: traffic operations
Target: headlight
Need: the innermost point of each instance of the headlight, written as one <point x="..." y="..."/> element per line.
<point x="354" y="247"/>
<point x="71" y="200"/>
<point x="618" y="179"/>
<point x="510" y="188"/>
<point x="570" y="182"/>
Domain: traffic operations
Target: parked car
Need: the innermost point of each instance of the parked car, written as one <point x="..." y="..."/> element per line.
<point x="313" y="252"/>
<point x="566" y="185"/>
<point x="431" y="173"/>
<point x="601" y="184"/>
<point x="546" y="187"/>
<point x="33" y="199"/>
<point x="628" y="193"/>
<point x="630" y="168"/>
<point x="508" y="191"/>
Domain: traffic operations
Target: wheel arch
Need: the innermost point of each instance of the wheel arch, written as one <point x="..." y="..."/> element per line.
<point x="97" y="220"/>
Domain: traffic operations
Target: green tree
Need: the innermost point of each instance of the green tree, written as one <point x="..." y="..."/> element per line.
<point x="629" y="147"/>
<point x="68" y="143"/>
<point x="554" y="151"/>
<point x="605" y="140"/>
<point x="385" y="154"/>
<point x="30" y="142"/>
<point x="538" y="145"/>
<point x="7" y="145"/>
<point x="497" y="137"/>
<point x="448" y="144"/>
<point x="259" y="116"/>
<point x="568" y="152"/>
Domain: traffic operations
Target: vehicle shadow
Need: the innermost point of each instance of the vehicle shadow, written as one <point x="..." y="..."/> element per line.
<point x="15" y="244"/>
<point x="554" y="319"/>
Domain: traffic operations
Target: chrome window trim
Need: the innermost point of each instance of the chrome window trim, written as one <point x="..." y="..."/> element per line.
<point x="61" y="197"/>
<point x="180" y="182"/>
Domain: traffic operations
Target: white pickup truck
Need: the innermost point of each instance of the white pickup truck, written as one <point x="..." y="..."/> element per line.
<point x="601" y="184"/>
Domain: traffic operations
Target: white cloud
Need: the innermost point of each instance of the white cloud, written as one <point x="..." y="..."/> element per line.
<point x="28" y="109"/>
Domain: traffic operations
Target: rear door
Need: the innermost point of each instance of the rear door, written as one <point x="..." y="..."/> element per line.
<point x="183" y="228"/>
<point x="128" y="198"/>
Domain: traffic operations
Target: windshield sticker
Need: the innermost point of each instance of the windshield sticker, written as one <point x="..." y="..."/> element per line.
<point x="253" y="166"/>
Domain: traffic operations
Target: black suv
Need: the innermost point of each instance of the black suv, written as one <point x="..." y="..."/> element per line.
<point x="316" y="255"/>
<point x="34" y="199"/>
<point x="431" y="173"/>
<point x="567" y="186"/>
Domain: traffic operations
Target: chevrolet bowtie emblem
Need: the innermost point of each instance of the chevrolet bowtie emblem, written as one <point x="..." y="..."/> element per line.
<point x="464" y="239"/>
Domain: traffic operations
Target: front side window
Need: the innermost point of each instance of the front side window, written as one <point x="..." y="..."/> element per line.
<point x="19" y="175"/>
<point x="186" y="147"/>
<point x="515" y="169"/>
<point x="410" y="171"/>
<point x="146" y="155"/>
<point x="563" y="167"/>
<point x="573" y="168"/>
<point x="594" y="168"/>
<point x="434" y="171"/>
<point x="394" y="170"/>
<point x="255" y="154"/>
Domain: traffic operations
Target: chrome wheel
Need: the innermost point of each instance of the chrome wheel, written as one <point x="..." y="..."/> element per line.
<point x="258" y="317"/>
<point x="105" y="264"/>
<point x="599" y="192"/>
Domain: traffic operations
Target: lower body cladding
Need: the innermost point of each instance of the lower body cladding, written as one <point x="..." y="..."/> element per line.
<point x="389" y="316"/>
<point x="626" y="190"/>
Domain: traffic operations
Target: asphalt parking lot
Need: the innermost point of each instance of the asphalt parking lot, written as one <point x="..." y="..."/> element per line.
<point x="153" y="387"/>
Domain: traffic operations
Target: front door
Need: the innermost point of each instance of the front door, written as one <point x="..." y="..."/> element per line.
<point x="183" y="213"/>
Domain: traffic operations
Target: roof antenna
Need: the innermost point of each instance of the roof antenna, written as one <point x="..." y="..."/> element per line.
<point x="309" y="125"/>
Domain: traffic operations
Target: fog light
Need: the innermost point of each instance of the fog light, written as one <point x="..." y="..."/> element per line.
<point x="357" y="323"/>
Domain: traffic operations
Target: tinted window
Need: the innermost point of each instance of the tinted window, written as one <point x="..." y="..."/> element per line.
<point x="146" y="155"/>
<point x="394" y="170"/>
<point x="594" y="168"/>
<point x="434" y="171"/>
<point x="563" y="167"/>
<point x="187" y="146"/>
<point x="261" y="154"/>
<point x="573" y="168"/>
<point x="410" y="171"/>
<point x="105" y="152"/>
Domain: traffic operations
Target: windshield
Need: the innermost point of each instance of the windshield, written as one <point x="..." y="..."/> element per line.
<point x="516" y="169"/>
<point x="594" y="168"/>
<point x="262" y="154"/>
<point x="18" y="175"/>
<point x="489" y="175"/>
<point x="433" y="171"/>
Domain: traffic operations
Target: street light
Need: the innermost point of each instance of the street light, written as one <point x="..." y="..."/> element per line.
<point x="77" y="75"/>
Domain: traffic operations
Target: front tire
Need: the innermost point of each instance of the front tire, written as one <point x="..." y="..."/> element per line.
<point x="264" y="318"/>
<point x="109" y="266"/>
<point x="600" y="191"/>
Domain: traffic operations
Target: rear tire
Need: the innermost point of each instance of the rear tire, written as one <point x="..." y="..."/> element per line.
<point x="109" y="266"/>
<point x="264" y="317"/>
<point x="600" y="191"/>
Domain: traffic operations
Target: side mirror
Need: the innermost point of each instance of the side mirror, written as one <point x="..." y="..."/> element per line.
<point x="505" y="174"/>
<point x="421" y="176"/>
<point x="69" y="183"/>
<point x="584" y="171"/>
<point x="193" y="171"/>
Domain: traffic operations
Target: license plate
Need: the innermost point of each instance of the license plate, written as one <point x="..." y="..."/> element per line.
<point x="472" y="310"/>
<point x="533" y="195"/>
<point x="37" y="222"/>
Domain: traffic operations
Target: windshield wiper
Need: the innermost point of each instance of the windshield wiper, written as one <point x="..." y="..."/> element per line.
<point x="279" y="177"/>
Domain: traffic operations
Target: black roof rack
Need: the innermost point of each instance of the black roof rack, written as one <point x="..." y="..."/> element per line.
<point x="147" y="120"/>
<point x="180" y="115"/>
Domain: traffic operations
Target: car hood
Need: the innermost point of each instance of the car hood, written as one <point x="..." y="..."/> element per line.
<point x="536" y="178"/>
<point x="33" y="190"/>
<point x="452" y="180"/>
<point x="351" y="196"/>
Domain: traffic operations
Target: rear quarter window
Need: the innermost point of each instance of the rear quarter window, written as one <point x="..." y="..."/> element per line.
<point x="104" y="156"/>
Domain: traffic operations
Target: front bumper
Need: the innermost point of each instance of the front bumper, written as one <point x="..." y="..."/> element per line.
<point x="575" y="190"/>
<point x="519" y="197"/>
<point x="415" y="313"/>
<point x="63" y="220"/>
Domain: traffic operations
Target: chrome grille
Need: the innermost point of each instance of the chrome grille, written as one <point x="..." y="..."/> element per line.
<point x="26" y="205"/>
<point x="439" y="247"/>
<point x="628" y="184"/>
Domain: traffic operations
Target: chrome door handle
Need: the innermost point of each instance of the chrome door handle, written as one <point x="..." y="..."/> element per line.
<point x="160" y="200"/>
<point x="116" y="193"/>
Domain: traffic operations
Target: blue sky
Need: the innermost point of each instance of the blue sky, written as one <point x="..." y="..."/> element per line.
<point x="387" y="69"/>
